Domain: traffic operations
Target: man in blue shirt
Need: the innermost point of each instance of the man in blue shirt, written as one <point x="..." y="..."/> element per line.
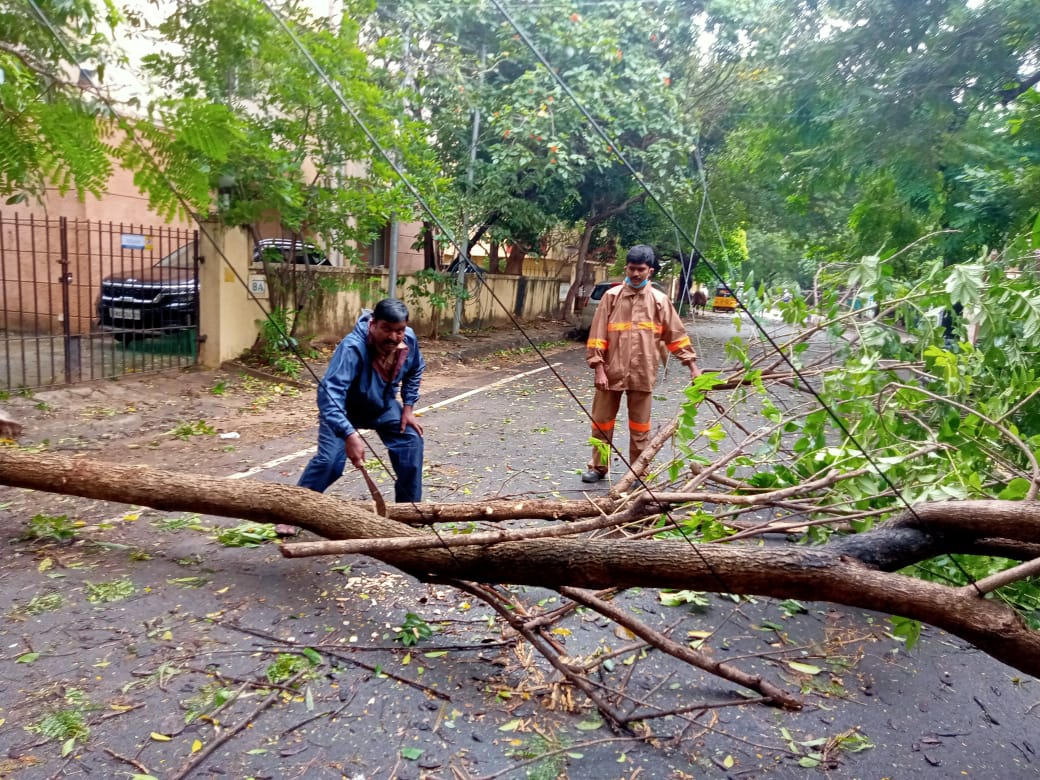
<point x="359" y="390"/>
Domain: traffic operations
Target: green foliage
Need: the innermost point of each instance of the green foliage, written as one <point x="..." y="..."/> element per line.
<point x="274" y="338"/>
<point x="435" y="291"/>
<point x="933" y="395"/>
<point x="906" y="629"/>
<point x="247" y="535"/>
<point x="186" y="430"/>
<point x="251" y="110"/>
<point x="210" y="697"/>
<point x="106" y="592"/>
<point x="842" y="163"/>
<point x="818" y="752"/>
<point x="276" y="346"/>
<point x="52" y="130"/>
<point x="551" y="753"/>
<point x="57" y="527"/>
<point x="534" y="161"/>
<point x="792" y="607"/>
<point x="289" y="365"/>
<point x="37" y="605"/>
<point x="675" y="598"/>
<point x="190" y="522"/>
<point x="286" y="666"/>
<point x="67" y="726"/>
<point x="413" y="630"/>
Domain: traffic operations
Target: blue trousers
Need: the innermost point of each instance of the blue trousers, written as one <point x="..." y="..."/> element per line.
<point x="406" y="457"/>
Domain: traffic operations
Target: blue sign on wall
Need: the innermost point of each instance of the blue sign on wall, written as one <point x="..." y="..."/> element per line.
<point x="133" y="241"/>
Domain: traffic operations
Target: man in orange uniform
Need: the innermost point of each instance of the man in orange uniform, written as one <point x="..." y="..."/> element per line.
<point x="631" y="320"/>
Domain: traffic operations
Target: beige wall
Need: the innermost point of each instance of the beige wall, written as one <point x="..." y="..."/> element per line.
<point x="228" y="314"/>
<point x="121" y="203"/>
<point x="348" y="292"/>
<point x="409" y="260"/>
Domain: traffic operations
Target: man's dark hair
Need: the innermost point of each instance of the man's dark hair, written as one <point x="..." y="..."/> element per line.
<point x="390" y="310"/>
<point x="641" y="254"/>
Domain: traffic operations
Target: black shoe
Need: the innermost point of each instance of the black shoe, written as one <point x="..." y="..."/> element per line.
<point x="592" y="476"/>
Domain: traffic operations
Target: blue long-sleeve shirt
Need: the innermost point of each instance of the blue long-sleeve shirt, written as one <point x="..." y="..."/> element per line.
<point x="352" y="395"/>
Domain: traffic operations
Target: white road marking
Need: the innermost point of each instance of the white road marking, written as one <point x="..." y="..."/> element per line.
<point x="311" y="450"/>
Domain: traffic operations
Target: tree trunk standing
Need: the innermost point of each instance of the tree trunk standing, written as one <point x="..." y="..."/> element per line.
<point x="515" y="260"/>
<point x="592" y="222"/>
<point x="845" y="571"/>
<point x="430" y="261"/>
<point x="580" y="280"/>
<point x="493" y="258"/>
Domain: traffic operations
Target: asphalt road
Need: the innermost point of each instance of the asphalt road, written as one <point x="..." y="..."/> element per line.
<point x="202" y="618"/>
<point x="939" y="710"/>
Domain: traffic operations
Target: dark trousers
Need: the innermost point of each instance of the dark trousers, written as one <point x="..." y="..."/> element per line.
<point x="406" y="457"/>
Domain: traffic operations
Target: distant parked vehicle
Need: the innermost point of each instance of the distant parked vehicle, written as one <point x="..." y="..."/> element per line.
<point x="723" y="300"/>
<point x="165" y="297"/>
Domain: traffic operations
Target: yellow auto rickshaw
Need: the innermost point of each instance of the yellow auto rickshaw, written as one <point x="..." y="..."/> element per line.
<point x="723" y="300"/>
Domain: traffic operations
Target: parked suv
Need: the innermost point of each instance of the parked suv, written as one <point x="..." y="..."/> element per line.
<point x="165" y="297"/>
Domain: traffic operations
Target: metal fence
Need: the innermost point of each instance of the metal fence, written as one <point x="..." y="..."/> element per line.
<point x="83" y="300"/>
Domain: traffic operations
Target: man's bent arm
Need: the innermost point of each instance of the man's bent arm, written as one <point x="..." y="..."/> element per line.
<point x="332" y="391"/>
<point x="411" y="380"/>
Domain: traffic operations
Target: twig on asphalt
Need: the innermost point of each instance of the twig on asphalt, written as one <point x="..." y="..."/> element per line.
<point x="568" y="749"/>
<point x="341" y="656"/>
<point x="537" y="641"/>
<point x="265" y="684"/>
<point x="192" y="764"/>
<point x="331" y="713"/>
<point x="702" y="661"/>
<point x="131" y="761"/>
<point x="131" y="708"/>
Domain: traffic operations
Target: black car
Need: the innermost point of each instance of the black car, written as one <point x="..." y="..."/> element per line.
<point x="165" y="297"/>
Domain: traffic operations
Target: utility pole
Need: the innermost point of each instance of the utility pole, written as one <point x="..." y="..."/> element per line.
<point x="394" y="228"/>
<point x="463" y="260"/>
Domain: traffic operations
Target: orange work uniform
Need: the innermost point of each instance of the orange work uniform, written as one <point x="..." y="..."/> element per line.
<point x="626" y="331"/>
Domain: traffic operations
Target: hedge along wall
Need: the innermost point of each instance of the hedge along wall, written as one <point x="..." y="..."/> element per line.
<point x="341" y="293"/>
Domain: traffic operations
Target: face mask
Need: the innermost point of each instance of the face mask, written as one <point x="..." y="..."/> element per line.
<point x="639" y="286"/>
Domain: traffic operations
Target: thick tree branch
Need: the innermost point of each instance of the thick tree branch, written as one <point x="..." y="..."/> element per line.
<point x="844" y="571"/>
<point x="682" y="652"/>
<point x="1021" y="87"/>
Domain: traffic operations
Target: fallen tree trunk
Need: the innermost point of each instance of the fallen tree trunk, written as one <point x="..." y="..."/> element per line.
<point x="853" y="571"/>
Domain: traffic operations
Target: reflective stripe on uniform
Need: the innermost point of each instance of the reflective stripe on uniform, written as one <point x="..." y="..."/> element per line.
<point x="603" y="427"/>
<point x="613" y="326"/>
<point x="645" y="325"/>
<point x="638" y="427"/>
<point x="675" y="346"/>
<point x="596" y="344"/>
